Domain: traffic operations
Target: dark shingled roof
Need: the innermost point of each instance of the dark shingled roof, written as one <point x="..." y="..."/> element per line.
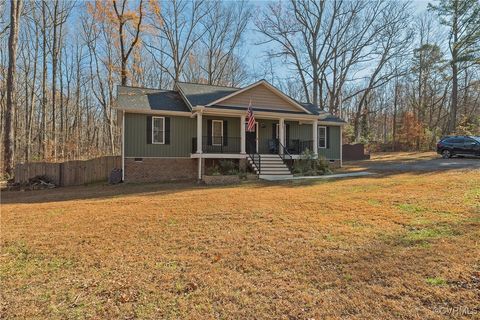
<point x="324" y="116"/>
<point x="332" y="118"/>
<point x="203" y="94"/>
<point x="310" y="107"/>
<point x="149" y="99"/>
<point x="196" y="94"/>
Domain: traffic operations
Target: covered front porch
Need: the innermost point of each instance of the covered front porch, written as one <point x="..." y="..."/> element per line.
<point x="226" y="135"/>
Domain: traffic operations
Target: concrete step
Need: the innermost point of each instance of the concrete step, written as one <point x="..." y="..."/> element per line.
<point x="273" y="170"/>
<point x="270" y="163"/>
<point x="275" y="177"/>
<point x="273" y="165"/>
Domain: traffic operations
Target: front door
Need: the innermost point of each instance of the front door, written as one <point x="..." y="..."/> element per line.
<point x="251" y="141"/>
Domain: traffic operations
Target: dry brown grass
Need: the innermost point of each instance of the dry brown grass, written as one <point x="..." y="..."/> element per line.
<point x="403" y="156"/>
<point x="402" y="246"/>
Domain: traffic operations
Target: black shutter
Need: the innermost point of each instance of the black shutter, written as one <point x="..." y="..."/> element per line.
<point x="209" y="132"/>
<point x="167" y="130"/>
<point x="149" y="129"/>
<point x="287" y="135"/>
<point x="328" y="137"/>
<point x="274" y="131"/>
<point x="225" y="133"/>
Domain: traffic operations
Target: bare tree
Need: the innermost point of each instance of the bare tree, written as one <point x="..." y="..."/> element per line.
<point x="9" y="137"/>
<point x="176" y="29"/>
<point x="123" y="19"/>
<point x="224" y="24"/>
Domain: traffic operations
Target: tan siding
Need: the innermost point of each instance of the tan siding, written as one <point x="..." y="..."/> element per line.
<point x="262" y="97"/>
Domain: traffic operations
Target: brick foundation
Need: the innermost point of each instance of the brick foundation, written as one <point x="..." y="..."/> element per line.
<point x="334" y="165"/>
<point x="160" y="169"/>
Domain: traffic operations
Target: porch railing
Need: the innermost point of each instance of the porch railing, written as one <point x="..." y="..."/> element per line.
<point x="265" y="145"/>
<point x="285" y="155"/>
<point x="293" y="146"/>
<point x="255" y="157"/>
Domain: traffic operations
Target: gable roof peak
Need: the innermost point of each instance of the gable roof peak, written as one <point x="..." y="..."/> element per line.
<point x="269" y="87"/>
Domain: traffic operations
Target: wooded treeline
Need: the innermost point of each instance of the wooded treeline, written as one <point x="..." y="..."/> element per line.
<point x="401" y="79"/>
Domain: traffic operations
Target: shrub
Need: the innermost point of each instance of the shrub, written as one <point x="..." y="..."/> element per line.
<point x="213" y="171"/>
<point x="309" y="165"/>
<point x="224" y="167"/>
<point x="227" y="166"/>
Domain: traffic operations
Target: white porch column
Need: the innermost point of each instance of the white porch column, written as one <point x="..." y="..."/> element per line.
<point x="281" y="133"/>
<point x="199" y="168"/>
<point x="199" y="132"/>
<point x="315" y="137"/>
<point x="242" y="134"/>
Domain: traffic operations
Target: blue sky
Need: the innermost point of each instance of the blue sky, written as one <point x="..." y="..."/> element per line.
<point x="254" y="54"/>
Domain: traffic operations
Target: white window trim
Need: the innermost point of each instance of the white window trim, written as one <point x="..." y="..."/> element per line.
<point x="213" y="136"/>
<point x="153" y="130"/>
<point x="318" y="134"/>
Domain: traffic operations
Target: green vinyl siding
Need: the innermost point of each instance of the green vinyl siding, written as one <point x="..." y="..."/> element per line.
<point x="264" y="134"/>
<point x="182" y="130"/>
<point x="233" y="125"/>
<point x="299" y="131"/>
<point x="333" y="152"/>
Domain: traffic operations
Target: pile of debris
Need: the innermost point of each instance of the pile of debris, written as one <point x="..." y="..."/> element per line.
<point x="35" y="183"/>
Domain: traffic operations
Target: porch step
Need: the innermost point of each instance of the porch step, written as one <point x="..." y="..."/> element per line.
<point x="275" y="177"/>
<point x="272" y="167"/>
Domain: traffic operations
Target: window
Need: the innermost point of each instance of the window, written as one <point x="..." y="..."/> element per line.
<point x="217" y="132"/>
<point x="158" y="132"/>
<point x="322" y="137"/>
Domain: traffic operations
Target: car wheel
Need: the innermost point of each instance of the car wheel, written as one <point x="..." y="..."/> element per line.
<point x="446" y="154"/>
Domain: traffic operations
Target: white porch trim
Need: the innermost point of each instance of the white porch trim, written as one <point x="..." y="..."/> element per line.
<point x="242" y="134"/>
<point x="315" y="137"/>
<point x="123" y="145"/>
<point x="199" y="132"/>
<point x="281" y="132"/>
<point x="218" y="156"/>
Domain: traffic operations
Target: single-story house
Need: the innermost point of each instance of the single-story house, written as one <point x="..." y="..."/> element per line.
<point x="174" y="134"/>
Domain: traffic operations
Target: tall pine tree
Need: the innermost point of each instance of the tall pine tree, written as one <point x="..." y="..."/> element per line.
<point x="462" y="18"/>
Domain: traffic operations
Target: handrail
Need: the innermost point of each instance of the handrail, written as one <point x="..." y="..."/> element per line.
<point x="282" y="154"/>
<point x="253" y="155"/>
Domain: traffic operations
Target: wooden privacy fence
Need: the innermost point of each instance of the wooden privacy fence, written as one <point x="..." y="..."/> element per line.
<point x="69" y="173"/>
<point x="354" y="152"/>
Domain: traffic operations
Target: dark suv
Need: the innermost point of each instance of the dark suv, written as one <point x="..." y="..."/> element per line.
<point x="459" y="146"/>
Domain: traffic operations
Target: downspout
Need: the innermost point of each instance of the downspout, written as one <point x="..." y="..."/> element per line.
<point x="123" y="145"/>
<point x="341" y="147"/>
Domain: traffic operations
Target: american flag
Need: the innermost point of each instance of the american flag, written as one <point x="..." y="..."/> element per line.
<point x="250" y="118"/>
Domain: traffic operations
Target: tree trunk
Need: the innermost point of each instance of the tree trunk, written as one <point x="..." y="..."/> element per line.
<point x="32" y="99"/>
<point x="54" y="79"/>
<point x="15" y="8"/>
<point x="394" y="125"/>
<point x="453" y="107"/>
<point x="44" y="135"/>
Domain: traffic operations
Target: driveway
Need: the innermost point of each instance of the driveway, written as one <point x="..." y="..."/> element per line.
<point x="420" y="161"/>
